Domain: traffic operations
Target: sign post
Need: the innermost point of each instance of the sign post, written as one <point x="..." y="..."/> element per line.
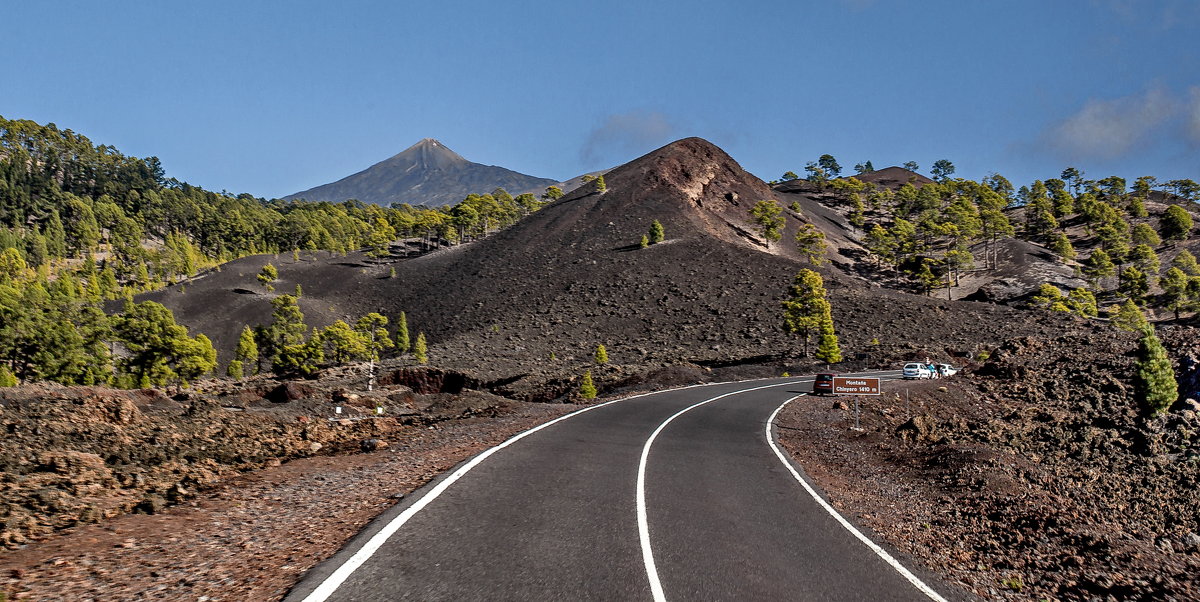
<point x="855" y="385"/>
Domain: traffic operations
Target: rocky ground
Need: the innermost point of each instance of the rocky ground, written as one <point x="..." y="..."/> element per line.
<point x="230" y="490"/>
<point x="1032" y="475"/>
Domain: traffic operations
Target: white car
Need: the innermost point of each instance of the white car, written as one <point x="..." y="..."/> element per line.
<point x="915" y="370"/>
<point x="946" y="369"/>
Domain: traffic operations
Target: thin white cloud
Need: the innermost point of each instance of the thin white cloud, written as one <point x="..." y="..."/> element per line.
<point x="624" y="136"/>
<point x="1157" y="14"/>
<point x="1193" y="115"/>
<point x="1107" y="129"/>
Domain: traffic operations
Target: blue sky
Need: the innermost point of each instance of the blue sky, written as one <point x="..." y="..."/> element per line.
<point x="272" y="97"/>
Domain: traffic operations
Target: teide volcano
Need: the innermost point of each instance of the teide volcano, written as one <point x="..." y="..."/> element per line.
<point x="529" y="304"/>
<point x="427" y="173"/>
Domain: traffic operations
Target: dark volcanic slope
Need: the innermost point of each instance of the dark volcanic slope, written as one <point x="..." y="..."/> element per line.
<point x="893" y="177"/>
<point x="571" y="276"/>
<point x="426" y="173"/>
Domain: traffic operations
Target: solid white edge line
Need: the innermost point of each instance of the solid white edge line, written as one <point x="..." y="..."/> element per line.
<point x="343" y="572"/>
<point x="656" y="588"/>
<point x="335" y="579"/>
<point x="916" y="581"/>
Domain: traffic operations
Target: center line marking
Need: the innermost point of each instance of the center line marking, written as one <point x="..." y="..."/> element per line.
<point x="656" y="588"/>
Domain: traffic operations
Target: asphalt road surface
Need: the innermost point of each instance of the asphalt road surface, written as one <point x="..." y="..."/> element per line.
<point x="678" y="495"/>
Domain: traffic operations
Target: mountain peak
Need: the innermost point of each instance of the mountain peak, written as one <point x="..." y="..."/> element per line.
<point x="428" y="173"/>
<point x="428" y="153"/>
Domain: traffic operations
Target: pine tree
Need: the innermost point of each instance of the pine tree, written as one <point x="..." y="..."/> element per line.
<point x="373" y="330"/>
<point x="267" y="276"/>
<point x="645" y="242"/>
<point x="587" y="389"/>
<point x="1176" y="223"/>
<point x="601" y="355"/>
<point x="419" y="349"/>
<point x="881" y="244"/>
<point x="1134" y="284"/>
<point x="1145" y="259"/>
<point x="1049" y="297"/>
<point x="766" y="214"/>
<point x="1137" y="207"/>
<point x="342" y="344"/>
<point x="402" y="341"/>
<point x="600" y="185"/>
<point x="1129" y="317"/>
<point x="1099" y="266"/>
<point x="6" y="377"/>
<point x="287" y="327"/>
<point x="247" y="350"/>
<point x="380" y="238"/>
<point x="1187" y="262"/>
<point x="195" y="357"/>
<point x="811" y="243"/>
<point x="235" y="370"/>
<point x="1082" y="302"/>
<point x="1175" y="288"/>
<point x="828" y="350"/>
<point x="657" y="233"/>
<point x="1144" y="234"/>
<point x="302" y="358"/>
<point x="806" y="311"/>
<point x="149" y="333"/>
<point x="926" y="277"/>
<point x="1154" y="379"/>
<point x="159" y="349"/>
<point x="1061" y="245"/>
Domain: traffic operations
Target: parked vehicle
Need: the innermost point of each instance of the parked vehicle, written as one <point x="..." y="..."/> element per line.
<point x="946" y="370"/>
<point x="823" y="383"/>
<point x="916" y="370"/>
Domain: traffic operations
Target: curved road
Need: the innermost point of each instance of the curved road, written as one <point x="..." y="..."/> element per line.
<point x="679" y="495"/>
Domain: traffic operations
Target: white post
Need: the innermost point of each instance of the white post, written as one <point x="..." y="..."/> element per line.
<point x="371" y="375"/>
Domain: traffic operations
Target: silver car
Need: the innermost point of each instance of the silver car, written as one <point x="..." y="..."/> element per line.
<point x="915" y="370"/>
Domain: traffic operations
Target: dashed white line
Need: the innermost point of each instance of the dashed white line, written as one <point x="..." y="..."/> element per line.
<point x="913" y="579"/>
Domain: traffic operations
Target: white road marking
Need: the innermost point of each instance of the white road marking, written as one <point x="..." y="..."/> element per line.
<point x="916" y="581"/>
<point x="339" y="576"/>
<point x="331" y="583"/>
<point x="656" y="588"/>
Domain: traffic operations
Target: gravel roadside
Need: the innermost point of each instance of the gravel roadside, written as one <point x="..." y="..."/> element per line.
<point x="252" y="537"/>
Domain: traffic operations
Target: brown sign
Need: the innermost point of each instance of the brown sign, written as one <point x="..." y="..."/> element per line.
<point x="855" y="385"/>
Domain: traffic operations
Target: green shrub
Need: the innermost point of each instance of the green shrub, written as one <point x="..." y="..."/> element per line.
<point x="587" y="389"/>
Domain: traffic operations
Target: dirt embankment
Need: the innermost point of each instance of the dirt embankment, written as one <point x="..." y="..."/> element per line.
<point x="1034" y="475"/>
<point x="73" y="455"/>
<point x="254" y="534"/>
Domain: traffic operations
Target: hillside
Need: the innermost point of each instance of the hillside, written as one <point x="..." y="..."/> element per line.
<point x="1045" y="408"/>
<point x="528" y="304"/>
<point x="988" y="242"/>
<point x="426" y="173"/>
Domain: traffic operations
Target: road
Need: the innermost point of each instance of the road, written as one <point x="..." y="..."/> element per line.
<point x="679" y="495"/>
